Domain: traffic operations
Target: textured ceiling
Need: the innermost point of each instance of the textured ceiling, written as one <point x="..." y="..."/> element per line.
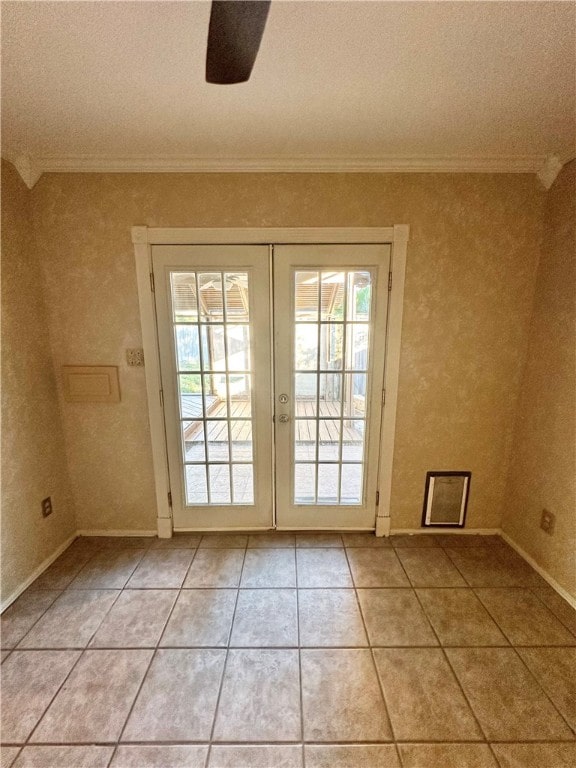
<point x="332" y="80"/>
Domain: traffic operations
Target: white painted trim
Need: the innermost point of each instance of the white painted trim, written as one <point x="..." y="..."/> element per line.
<point x="37" y="572"/>
<point x="549" y="170"/>
<point x="392" y="373"/>
<point x="143" y="257"/>
<point x="126" y="534"/>
<point x="290" y="164"/>
<point x="262" y="235"/>
<point x="538" y="568"/>
<point x="382" y="526"/>
<point x="449" y="531"/>
<point x="143" y="237"/>
<point x="28" y="170"/>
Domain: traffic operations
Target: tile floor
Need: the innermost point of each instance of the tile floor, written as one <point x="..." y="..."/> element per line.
<point x="289" y="651"/>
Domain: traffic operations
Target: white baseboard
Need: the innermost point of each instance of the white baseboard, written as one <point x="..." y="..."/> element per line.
<point x="115" y="533"/>
<point x="538" y="568"/>
<point x="449" y="531"/>
<point x="37" y="572"/>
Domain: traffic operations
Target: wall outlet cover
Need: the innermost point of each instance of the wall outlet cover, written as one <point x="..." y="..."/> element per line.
<point x="135" y="357"/>
<point x="46" y="506"/>
<point x="547" y="521"/>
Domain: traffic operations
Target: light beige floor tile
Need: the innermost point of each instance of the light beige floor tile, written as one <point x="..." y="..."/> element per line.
<point x="555" y="670"/>
<point x="59" y="575"/>
<point x="7" y="756"/>
<point x="178" y="541"/>
<point x="353" y="756"/>
<point x="341" y="697"/>
<point x="318" y="540"/>
<point x="559" y="607"/>
<point x="260" y="699"/>
<point x="394" y="617"/>
<point x="201" y="617"/>
<point x="224" y="540"/>
<point x="64" y="757"/>
<point x="447" y="755"/>
<point x="483" y="567"/>
<point x="523" y="618"/>
<point x="269" y="568"/>
<point x="459" y="618"/>
<point x="429" y="568"/>
<point x="162" y="569"/>
<point x="535" y="755"/>
<point x="364" y="540"/>
<point x="272" y="541"/>
<point x="136" y="619"/>
<point x="253" y="756"/>
<point x="265" y="618"/>
<point x="23" y="614"/>
<point x="508" y="702"/>
<point x="423" y="697"/>
<point x="108" y="569"/>
<point x="71" y="620"/>
<point x="413" y="540"/>
<point x="376" y="568"/>
<point x="466" y="540"/>
<point x="184" y="685"/>
<point x="96" y="700"/>
<point x="524" y="573"/>
<point x="30" y="679"/>
<point x="330" y="617"/>
<point x="121" y="542"/>
<point x="318" y="568"/>
<point x="174" y="756"/>
<point x="215" y="568"/>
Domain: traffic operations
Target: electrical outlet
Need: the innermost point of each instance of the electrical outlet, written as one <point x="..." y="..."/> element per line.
<point x="547" y="521"/>
<point x="46" y="506"/>
<point x="135" y="357"/>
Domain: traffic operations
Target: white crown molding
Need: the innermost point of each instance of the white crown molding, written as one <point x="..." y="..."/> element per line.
<point x="295" y="164"/>
<point x="25" y="165"/>
<point x="549" y="170"/>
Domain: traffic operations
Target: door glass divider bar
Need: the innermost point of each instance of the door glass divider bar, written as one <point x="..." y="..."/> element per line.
<point x="229" y="409"/>
<point x="244" y="462"/>
<point x="318" y="343"/>
<point x="203" y="394"/>
<point x="214" y="371"/>
<point x="225" y="418"/>
<point x="343" y="386"/>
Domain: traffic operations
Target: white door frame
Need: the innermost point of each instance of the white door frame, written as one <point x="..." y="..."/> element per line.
<point x="144" y="237"/>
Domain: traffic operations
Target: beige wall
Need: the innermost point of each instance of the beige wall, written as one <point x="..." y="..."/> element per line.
<point x="543" y="465"/>
<point x="33" y="454"/>
<point x="472" y="261"/>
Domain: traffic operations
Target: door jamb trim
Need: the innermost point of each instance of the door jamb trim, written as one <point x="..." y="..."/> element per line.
<point x="144" y="237"/>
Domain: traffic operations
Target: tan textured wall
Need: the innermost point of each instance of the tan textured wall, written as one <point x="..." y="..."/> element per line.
<point x="472" y="261"/>
<point x="33" y="454"/>
<point x="543" y="467"/>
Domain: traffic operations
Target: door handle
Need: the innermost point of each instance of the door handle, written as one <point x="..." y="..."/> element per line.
<point x="283" y="418"/>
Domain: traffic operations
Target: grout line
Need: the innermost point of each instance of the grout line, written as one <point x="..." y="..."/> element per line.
<point x="560" y="619"/>
<point x="299" y="660"/>
<point x="224" y="667"/>
<point x="545" y="692"/>
<point x="370" y="648"/>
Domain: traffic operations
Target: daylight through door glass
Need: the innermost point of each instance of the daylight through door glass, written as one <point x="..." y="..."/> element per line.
<point x="332" y="311"/>
<point x="211" y="321"/>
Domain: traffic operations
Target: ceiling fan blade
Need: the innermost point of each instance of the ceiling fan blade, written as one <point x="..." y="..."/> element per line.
<point x="234" y="35"/>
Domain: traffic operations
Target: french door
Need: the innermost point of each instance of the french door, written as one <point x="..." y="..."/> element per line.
<point x="272" y="430"/>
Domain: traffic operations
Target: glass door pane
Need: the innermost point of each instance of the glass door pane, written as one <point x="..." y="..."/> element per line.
<point x="217" y="448"/>
<point x="332" y="312"/>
